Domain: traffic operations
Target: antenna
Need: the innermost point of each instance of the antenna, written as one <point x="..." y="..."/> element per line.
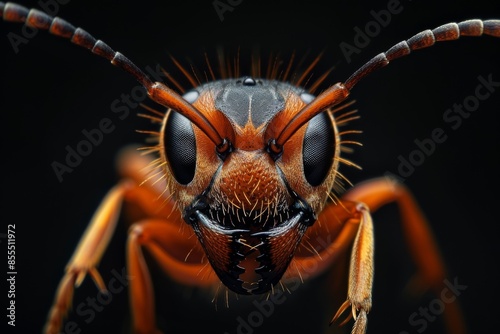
<point x="157" y="91"/>
<point x="340" y="91"/>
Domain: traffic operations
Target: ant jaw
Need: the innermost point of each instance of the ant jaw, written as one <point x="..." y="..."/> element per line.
<point x="250" y="262"/>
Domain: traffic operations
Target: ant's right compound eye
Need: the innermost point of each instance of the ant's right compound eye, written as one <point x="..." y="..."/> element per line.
<point x="180" y="143"/>
<point x="180" y="147"/>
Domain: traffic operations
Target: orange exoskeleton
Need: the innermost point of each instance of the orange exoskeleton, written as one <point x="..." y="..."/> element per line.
<point x="250" y="164"/>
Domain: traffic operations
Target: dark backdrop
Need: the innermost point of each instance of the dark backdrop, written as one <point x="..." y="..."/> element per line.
<point x="52" y="90"/>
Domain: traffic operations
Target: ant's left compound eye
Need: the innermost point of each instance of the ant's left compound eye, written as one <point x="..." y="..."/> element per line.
<point x="180" y="147"/>
<point x="318" y="149"/>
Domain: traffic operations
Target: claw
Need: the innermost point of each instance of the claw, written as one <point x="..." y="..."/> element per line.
<point x="64" y="296"/>
<point x="99" y="282"/>
<point x="360" y="319"/>
<point x="80" y="275"/>
<point x="340" y="311"/>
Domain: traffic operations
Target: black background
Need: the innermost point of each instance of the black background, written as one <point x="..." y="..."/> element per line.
<point x="52" y="90"/>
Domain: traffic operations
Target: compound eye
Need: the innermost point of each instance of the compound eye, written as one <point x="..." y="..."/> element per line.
<point x="180" y="147"/>
<point x="318" y="149"/>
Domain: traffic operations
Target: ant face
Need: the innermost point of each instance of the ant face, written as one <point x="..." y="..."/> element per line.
<point x="54" y="91"/>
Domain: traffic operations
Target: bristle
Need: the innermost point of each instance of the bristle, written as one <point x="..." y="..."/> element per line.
<point x="155" y="164"/>
<point x="308" y="70"/>
<point x="307" y="245"/>
<point x="154" y="119"/>
<point x="156" y="133"/>
<point x="222" y="64"/>
<point x="198" y="81"/>
<point x="143" y="148"/>
<point x="209" y="66"/>
<point x="346" y="132"/>
<point x="269" y="66"/>
<point x="344" y="121"/>
<point x="153" y="111"/>
<point x="275" y="67"/>
<point x="149" y="148"/>
<point x="345" y="149"/>
<point x="289" y="67"/>
<point x="347" y="114"/>
<point x="345" y="179"/>
<point x="147" y="179"/>
<point x="348" y="162"/>
<point x="350" y="142"/>
<point x="173" y="81"/>
<point x="319" y="81"/>
<point x="332" y="196"/>
<point x="186" y="73"/>
<point x="298" y="271"/>
<point x="343" y="106"/>
<point x="152" y="140"/>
